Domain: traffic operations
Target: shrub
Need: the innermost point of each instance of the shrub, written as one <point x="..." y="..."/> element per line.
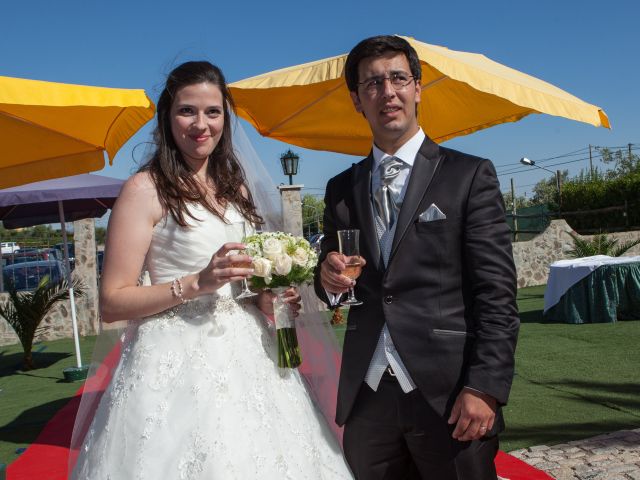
<point x="600" y="244"/>
<point x="25" y="310"/>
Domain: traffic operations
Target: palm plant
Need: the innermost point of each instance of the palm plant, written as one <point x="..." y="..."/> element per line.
<point x="25" y="310"/>
<point x="601" y="244"/>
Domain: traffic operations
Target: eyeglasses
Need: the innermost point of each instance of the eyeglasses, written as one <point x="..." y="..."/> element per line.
<point x="398" y="81"/>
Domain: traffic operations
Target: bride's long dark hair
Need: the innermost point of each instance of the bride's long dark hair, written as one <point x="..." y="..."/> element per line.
<point x="176" y="185"/>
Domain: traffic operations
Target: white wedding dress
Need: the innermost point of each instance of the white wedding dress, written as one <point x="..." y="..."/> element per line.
<point x="197" y="393"/>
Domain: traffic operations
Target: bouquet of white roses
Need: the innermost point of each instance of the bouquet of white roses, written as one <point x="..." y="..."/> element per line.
<point x="281" y="260"/>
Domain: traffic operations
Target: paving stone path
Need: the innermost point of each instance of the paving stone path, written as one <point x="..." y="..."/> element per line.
<point x="612" y="456"/>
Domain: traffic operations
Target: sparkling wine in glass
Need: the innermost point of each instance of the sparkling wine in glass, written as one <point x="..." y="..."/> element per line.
<point x="237" y="232"/>
<point x="348" y="241"/>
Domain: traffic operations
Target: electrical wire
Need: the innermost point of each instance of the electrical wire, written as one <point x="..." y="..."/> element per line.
<point x="519" y="169"/>
<point x="594" y="156"/>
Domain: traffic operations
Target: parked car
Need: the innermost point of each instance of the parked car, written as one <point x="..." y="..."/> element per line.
<point x="9" y="247"/>
<point x="24" y="256"/>
<point x="27" y="275"/>
<point x="29" y="249"/>
<point x="52" y="254"/>
<point x="72" y="253"/>
<point x="70" y="247"/>
<point x="99" y="261"/>
<point x="315" y="241"/>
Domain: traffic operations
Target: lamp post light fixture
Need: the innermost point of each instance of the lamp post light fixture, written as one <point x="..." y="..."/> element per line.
<point x="289" y="161"/>
<point x="532" y="163"/>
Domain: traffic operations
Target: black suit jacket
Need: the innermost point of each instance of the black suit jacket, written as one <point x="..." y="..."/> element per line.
<point x="448" y="291"/>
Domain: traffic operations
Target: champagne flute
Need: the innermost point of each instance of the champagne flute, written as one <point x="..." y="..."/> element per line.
<point x="236" y="232"/>
<point x="348" y="241"/>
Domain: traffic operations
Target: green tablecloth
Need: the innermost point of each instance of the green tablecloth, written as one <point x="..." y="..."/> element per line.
<point x="609" y="293"/>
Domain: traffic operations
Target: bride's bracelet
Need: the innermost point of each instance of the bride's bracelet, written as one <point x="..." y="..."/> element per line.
<point x="177" y="290"/>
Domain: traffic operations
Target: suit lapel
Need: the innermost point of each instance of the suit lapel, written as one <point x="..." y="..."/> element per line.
<point x="363" y="209"/>
<point x="424" y="168"/>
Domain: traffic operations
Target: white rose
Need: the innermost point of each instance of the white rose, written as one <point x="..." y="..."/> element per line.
<point x="300" y="257"/>
<point x="271" y="248"/>
<point x="282" y="264"/>
<point x="262" y="268"/>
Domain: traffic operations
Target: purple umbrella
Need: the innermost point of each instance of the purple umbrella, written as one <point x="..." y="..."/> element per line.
<point x="52" y="201"/>
<point x="83" y="196"/>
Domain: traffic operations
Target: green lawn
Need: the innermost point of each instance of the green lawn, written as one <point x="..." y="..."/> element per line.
<point x="29" y="399"/>
<point x="572" y="381"/>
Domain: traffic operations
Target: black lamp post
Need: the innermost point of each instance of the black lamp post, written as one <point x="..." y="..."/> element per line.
<point x="532" y="163"/>
<point x="289" y="161"/>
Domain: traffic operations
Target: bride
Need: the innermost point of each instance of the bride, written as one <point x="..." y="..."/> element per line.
<point x="196" y="393"/>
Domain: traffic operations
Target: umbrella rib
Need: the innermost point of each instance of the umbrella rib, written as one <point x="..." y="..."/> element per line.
<point x="305" y="107"/>
<point x="434" y="82"/>
<point x="13" y="207"/>
<point x="109" y="129"/>
<point x="57" y="132"/>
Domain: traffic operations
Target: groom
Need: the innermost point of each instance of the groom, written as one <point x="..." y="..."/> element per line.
<point x="428" y="357"/>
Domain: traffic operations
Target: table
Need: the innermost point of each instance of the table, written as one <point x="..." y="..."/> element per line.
<point x="595" y="289"/>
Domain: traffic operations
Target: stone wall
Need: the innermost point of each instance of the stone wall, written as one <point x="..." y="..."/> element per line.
<point x="59" y="319"/>
<point x="533" y="257"/>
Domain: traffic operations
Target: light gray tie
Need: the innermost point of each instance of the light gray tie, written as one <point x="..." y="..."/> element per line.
<point x="387" y="195"/>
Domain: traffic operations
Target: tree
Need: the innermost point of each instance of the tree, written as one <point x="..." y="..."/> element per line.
<point x="24" y="311"/>
<point x="34" y="236"/>
<point x="101" y="235"/>
<point x="312" y="211"/>
<point x="521" y="201"/>
<point x="624" y="162"/>
<point x="546" y="190"/>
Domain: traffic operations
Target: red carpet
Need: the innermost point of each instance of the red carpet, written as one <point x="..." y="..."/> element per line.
<point x="48" y="457"/>
<point x="514" y="469"/>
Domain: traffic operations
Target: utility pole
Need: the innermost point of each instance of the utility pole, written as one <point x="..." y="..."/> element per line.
<point x="513" y="211"/>
<point x="590" y="164"/>
<point x="630" y="151"/>
<point x="559" y="183"/>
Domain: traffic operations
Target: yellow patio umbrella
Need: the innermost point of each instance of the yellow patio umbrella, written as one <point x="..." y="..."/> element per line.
<point x="309" y="105"/>
<point x="50" y="130"/>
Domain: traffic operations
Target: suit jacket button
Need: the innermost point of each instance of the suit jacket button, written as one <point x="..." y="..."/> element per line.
<point x="388" y="299"/>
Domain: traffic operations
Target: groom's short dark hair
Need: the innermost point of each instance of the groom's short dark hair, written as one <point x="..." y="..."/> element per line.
<point x="376" y="47"/>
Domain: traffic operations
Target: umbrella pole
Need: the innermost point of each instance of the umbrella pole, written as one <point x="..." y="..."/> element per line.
<point x="74" y="321"/>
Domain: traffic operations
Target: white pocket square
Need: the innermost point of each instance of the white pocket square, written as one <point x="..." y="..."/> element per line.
<point x="431" y="214"/>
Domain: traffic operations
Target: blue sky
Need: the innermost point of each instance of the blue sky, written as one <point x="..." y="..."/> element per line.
<point x="589" y="48"/>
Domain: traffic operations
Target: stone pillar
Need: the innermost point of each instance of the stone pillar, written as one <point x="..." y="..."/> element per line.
<point x="84" y="237"/>
<point x="291" y="208"/>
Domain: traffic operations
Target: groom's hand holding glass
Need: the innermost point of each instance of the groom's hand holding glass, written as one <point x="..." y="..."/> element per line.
<point x="334" y="273"/>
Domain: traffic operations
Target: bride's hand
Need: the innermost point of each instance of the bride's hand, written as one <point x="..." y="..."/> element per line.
<point x="222" y="268"/>
<point x="265" y="298"/>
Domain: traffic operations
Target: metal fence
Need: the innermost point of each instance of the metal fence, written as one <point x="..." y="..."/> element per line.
<point x="531" y="221"/>
<point x="25" y="261"/>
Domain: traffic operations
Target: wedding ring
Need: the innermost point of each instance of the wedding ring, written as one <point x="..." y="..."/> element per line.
<point x="482" y="427"/>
